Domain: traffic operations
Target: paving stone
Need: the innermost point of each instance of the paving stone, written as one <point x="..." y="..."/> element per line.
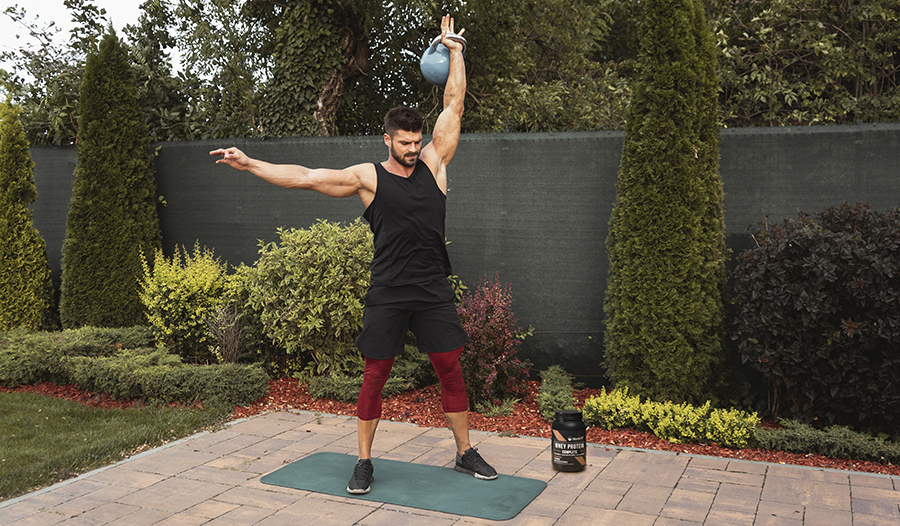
<point x="827" y="517"/>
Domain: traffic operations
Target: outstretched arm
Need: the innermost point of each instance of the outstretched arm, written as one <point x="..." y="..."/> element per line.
<point x="355" y="180"/>
<point x="445" y="138"/>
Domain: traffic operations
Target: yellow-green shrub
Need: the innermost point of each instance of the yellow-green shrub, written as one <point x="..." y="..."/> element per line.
<point x="180" y="295"/>
<point x="672" y="422"/>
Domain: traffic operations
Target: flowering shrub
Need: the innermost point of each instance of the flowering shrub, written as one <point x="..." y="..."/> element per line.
<point x="490" y="368"/>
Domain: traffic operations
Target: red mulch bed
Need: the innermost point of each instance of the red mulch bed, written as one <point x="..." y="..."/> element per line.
<point x="423" y="407"/>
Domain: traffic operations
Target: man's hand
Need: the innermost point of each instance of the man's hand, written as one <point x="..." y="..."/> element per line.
<point x="232" y="157"/>
<point x="447" y="29"/>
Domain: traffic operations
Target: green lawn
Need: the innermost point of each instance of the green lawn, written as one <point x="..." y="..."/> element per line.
<point x="44" y="440"/>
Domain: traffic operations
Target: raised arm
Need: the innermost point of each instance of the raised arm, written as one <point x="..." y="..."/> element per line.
<point x="354" y="180"/>
<point x="445" y="137"/>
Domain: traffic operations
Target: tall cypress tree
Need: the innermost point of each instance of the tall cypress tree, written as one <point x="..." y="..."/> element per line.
<point x="112" y="217"/>
<point x="664" y="302"/>
<point x="26" y="291"/>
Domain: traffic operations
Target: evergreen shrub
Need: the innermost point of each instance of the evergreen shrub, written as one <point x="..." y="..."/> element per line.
<point x="181" y="295"/>
<point x="818" y="315"/>
<point x="123" y="363"/>
<point x="556" y="392"/>
<point x="157" y="377"/>
<point x="491" y="371"/>
<point x="833" y="442"/>
<point x="26" y="290"/>
<point x="673" y="422"/>
<point x="112" y="216"/>
<point x="308" y="291"/>
<point x="28" y="358"/>
<point x="665" y="315"/>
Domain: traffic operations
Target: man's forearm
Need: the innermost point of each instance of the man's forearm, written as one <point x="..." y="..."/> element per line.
<point x="455" y="89"/>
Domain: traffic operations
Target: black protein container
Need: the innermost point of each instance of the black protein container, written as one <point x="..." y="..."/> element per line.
<point x="568" y="441"/>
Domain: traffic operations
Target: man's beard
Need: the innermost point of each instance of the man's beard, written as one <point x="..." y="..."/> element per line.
<point x="405" y="161"/>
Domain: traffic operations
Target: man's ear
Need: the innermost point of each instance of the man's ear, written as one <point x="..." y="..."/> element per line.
<point x="387" y="140"/>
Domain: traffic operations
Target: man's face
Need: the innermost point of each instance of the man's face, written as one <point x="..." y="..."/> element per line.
<point x="405" y="146"/>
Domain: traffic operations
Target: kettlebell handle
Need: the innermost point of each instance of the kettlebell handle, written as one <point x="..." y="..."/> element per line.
<point x="454" y="36"/>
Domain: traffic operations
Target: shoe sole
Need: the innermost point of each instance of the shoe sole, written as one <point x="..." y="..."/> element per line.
<point x="361" y="491"/>
<point x="358" y="491"/>
<point x="479" y="476"/>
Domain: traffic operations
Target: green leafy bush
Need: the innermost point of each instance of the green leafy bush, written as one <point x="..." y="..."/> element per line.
<point x="491" y="371"/>
<point x="833" y="441"/>
<point x="672" y="422"/>
<point x="556" y="392"/>
<point x="308" y="291"/>
<point x="180" y="295"/>
<point x="818" y="315"/>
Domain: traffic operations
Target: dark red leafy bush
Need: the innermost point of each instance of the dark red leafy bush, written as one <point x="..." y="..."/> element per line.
<point x="490" y="368"/>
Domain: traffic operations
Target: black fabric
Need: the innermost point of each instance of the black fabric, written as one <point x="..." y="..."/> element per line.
<point x="407" y="217"/>
<point x="425" y="309"/>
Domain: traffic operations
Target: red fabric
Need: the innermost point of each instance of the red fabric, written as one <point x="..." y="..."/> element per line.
<point x="446" y="366"/>
<point x="453" y="389"/>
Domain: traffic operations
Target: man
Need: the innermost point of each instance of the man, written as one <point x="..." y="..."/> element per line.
<point x="405" y="200"/>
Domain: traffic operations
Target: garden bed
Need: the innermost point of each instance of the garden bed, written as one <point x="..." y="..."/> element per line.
<point x="423" y="407"/>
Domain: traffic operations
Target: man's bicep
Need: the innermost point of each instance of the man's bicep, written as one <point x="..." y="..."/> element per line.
<point x="445" y="137"/>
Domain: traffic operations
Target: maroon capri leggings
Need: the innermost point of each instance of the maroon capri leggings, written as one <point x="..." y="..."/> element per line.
<point x="446" y="365"/>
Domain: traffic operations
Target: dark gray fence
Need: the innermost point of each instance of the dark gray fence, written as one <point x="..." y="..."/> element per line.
<point x="532" y="209"/>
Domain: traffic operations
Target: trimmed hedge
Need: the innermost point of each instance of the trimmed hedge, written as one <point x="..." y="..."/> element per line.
<point x="120" y="362"/>
<point x="833" y="442"/>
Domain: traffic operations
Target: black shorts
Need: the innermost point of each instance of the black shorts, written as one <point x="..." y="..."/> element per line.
<point x="427" y="310"/>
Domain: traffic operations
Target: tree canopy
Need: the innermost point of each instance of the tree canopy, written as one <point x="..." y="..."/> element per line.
<point x="261" y="68"/>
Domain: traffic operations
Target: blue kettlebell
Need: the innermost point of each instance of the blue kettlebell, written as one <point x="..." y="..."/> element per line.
<point x="435" y="63"/>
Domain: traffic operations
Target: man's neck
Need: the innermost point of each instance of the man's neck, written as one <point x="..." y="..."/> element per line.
<point x="392" y="166"/>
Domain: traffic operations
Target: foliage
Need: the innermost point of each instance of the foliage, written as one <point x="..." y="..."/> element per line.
<point x="673" y="422"/>
<point x="832" y="442"/>
<point x="532" y="66"/>
<point x="491" y="371"/>
<point x="29" y="358"/>
<point x="50" y="102"/>
<point x="158" y="377"/>
<point x="504" y="408"/>
<point x="112" y="216"/>
<point x="319" y="45"/>
<point x="181" y="295"/>
<point x="308" y="290"/>
<point x="818" y="314"/>
<point x="556" y="392"/>
<point x="26" y="291"/>
<point x="46" y="440"/>
<point x="664" y="308"/>
<point x="411" y="370"/>
<point x="119" y="363"/>
<point x="808" y="61"/>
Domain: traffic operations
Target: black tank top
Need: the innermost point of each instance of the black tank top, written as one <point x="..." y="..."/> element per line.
<point x="407" y="218"/>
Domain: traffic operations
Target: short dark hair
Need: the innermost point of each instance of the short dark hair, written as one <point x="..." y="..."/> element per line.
<point x="402" y="118"/>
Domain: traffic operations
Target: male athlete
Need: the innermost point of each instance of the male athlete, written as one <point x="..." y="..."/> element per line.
<point x="405" y="199"/>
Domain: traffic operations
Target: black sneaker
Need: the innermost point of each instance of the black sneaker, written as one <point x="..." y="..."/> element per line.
<point x="472" y="463"/>
<point x="362" y="478"/>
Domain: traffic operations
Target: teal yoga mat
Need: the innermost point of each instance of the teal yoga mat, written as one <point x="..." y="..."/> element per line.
<point x="413" y="485"/>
